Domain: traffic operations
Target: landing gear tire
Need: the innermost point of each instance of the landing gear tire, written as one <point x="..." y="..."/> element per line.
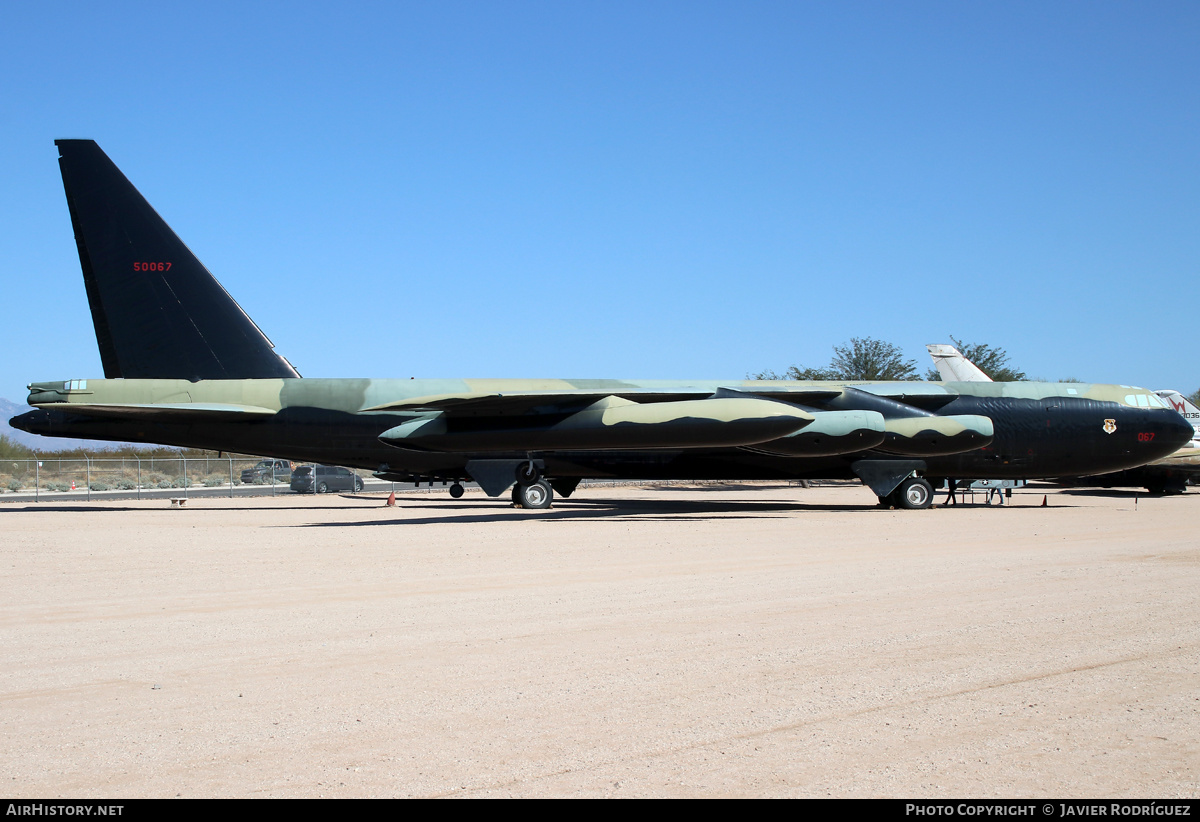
<point x="534" y="495"/>
<point x="914" y="493"/>
<point x="456" y="490"/>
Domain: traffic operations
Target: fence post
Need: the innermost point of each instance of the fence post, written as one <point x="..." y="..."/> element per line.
<point x="139" y="491"/>
<point x="87" y="460"/>
<point x="231" y="477"/>
<point x="37" y="479"/>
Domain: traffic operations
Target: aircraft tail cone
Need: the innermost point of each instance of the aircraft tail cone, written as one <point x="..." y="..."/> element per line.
<point x="391" y="502"/>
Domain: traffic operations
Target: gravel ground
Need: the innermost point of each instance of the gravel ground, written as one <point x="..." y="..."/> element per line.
<point x="739" y="640"/>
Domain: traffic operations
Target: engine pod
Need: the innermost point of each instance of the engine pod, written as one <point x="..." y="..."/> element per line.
<point x="935" y="436"/>
<point x="613" y="423"/>
<point x="831" y="433"/>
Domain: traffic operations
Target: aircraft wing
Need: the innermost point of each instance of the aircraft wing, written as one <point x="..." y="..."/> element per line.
<point x="512" y="403"/>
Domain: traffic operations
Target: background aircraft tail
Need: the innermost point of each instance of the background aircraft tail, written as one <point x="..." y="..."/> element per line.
<point x="158" y="312"/>
<point x="952" y="366"/>
<point x="1185" y="407"/>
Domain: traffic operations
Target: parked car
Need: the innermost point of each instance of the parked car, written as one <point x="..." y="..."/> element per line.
<point x="328" y="478"/>
<point x="263" y="472"/>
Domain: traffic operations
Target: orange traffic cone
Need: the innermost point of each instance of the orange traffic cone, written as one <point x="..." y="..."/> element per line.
<point x="1043" y="500"/>
<point x="72" y="485"/>
<point x="391" y="503"/>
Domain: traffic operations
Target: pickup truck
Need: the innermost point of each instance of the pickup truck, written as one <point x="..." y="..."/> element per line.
<point x="262" y="472"/>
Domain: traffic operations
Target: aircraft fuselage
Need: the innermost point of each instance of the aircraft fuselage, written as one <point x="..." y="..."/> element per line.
<point x="1040" y="430"/>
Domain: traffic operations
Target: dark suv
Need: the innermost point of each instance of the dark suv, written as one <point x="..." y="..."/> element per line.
<point x="328" y="478"/>
<point x="263" y="472"/>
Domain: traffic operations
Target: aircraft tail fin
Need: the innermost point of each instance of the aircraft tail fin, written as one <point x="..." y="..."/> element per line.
<point x="158" y="312"/>
<point x="952" y="366"/>
<point x="1185" y="407"/>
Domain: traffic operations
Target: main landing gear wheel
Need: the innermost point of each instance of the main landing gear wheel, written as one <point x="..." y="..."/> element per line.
<point x="914" y="493"/>
<point x="534" y="495"/>
<point x="456" y="490"/>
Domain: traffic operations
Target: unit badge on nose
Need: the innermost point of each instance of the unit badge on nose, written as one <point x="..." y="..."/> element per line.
<point x="1110" y="426"/>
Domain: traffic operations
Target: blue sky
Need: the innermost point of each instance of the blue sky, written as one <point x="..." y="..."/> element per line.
<point x="654" y="190"/>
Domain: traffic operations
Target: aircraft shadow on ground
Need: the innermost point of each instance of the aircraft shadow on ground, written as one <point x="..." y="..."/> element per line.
<point x="1118" y="493"/>
<point x="84" y="507"/>
<point x="634" y="510"/>
<point x="595" y="509"/>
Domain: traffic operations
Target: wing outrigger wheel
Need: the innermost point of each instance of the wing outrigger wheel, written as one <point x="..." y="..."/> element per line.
<point x="533" y="495"/>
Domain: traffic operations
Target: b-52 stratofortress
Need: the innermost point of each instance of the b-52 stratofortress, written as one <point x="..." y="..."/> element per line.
<point x="184" y="365"/>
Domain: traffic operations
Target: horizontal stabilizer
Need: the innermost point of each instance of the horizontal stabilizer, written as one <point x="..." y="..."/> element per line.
<point x="165" y="412"/>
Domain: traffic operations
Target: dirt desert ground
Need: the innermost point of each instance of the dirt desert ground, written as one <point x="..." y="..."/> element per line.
<point x="758" y="640"/>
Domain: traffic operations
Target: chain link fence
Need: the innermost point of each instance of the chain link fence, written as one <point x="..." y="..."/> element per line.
<point x="134" y="475"/>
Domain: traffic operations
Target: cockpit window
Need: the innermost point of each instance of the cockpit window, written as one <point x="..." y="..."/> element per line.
<point x="1144" y="401"/>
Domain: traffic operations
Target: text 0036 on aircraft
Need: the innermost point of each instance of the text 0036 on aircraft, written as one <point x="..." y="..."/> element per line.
<point x="184" y="365"/>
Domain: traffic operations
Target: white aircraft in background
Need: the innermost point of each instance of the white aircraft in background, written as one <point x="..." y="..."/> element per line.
<point x="952" y="366"/>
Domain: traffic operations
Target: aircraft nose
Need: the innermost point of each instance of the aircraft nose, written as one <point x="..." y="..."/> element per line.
<point x="33" y="422"/>
<point x="1177" y="429"/>
<point x="1160" y="432"/>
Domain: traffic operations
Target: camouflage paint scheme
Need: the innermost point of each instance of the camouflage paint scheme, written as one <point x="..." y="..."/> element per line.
<point x="1027" y="430"/>
<point x="184" y="365"/>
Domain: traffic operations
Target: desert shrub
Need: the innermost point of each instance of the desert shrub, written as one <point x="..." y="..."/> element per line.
<point x="15" y="485"/>
<point x="213" y="480"/>
<point x="100" y="486"/>
<point x="181" y="482"/>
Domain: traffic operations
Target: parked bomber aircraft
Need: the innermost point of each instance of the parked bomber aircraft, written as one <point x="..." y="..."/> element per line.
<point x="184" y="365"/>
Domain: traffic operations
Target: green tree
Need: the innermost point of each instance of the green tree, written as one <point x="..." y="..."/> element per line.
<point x="795" y="373"/>
<point x="863" y="358"/>
<point x="1194" y="397"/>
<point x="866" y="358"/>
<point x="10" y="449"/>
<point x="991" y="360"/>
